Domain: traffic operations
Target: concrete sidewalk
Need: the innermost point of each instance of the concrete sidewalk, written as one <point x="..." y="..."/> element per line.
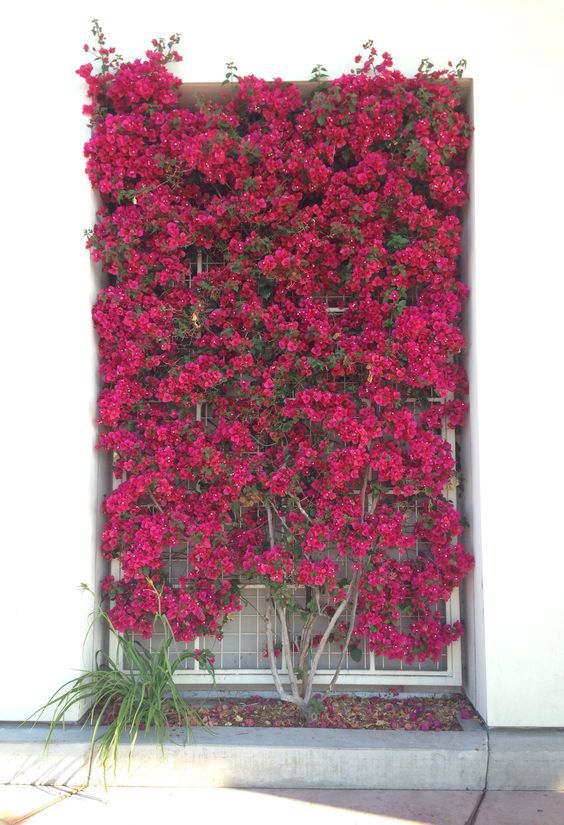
<point x="44" y="805"/>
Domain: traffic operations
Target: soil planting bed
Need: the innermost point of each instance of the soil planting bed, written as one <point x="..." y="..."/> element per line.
<point x="344" y="711"/>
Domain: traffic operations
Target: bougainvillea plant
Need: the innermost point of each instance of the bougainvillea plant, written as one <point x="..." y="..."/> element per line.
<point x="277" y="414"/>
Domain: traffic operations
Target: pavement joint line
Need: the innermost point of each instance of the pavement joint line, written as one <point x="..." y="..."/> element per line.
<point x="66" y="795"/>
<point x="475" y="813"/>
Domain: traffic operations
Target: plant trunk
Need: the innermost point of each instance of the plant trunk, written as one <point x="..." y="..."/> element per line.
<point x="301" y="681"/>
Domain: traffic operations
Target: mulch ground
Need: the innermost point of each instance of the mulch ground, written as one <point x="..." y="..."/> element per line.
<point x="343" y="711"/>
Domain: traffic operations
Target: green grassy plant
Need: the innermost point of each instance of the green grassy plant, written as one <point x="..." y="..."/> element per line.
<point x="122" y="703"/>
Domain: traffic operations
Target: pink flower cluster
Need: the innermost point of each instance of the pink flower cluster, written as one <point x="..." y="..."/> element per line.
<point x="278" y="415"/>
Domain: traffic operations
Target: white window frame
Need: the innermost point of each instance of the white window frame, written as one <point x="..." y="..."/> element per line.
<point x="350" y="677"/>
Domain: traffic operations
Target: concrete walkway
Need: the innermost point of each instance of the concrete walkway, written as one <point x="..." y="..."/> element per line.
<point x="44" y="805"/>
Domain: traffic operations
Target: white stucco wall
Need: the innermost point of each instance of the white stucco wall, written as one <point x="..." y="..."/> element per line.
<point x="51" y="480"/>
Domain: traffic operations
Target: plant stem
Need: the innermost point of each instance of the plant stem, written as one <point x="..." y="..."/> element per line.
<point x="352" y="620"/>
<point x="283" y="617"/>
<point x="328" y="630"/>
<point x="270" y="647"/>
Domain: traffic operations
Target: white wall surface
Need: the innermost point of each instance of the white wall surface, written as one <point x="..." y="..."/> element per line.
<point x="51" y="481"/>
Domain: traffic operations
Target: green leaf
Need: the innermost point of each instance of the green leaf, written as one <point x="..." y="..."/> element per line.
<point x="355" y="653"/>
<point x="397" y="241"/>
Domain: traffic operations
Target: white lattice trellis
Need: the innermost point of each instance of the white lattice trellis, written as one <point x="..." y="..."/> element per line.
<point x="239" y="654"/>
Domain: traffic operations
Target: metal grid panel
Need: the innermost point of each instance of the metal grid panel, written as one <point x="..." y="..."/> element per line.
<point x="240" y="652"/>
